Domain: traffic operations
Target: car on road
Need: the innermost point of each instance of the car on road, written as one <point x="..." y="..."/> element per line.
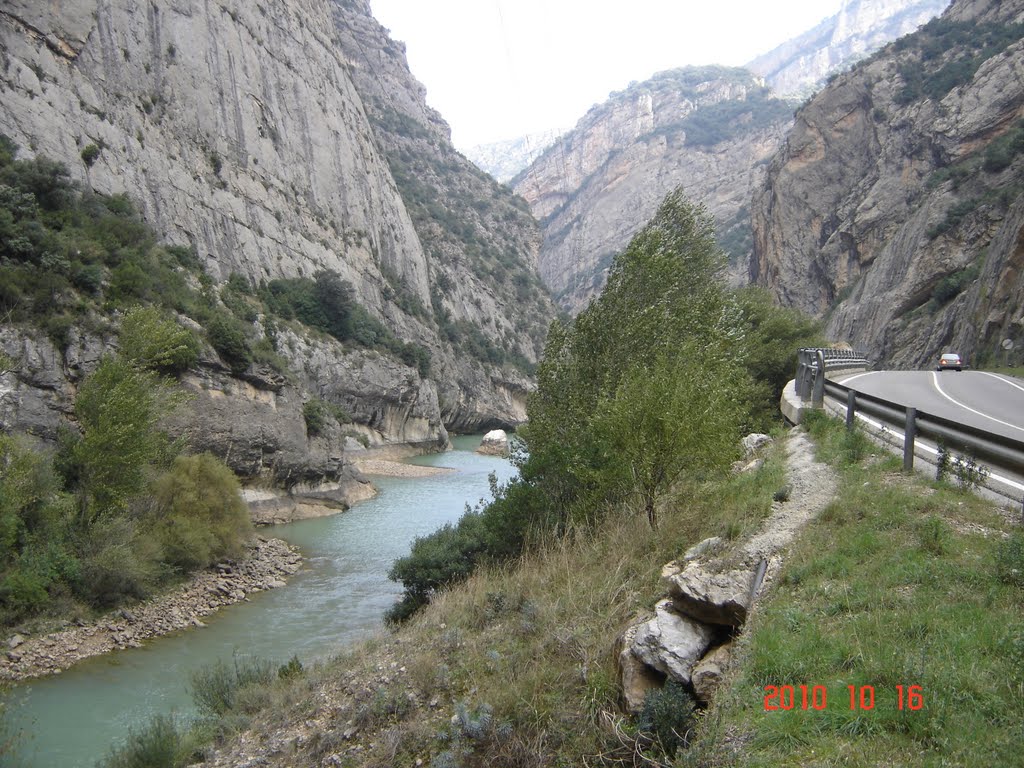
<point x="950" y="360"/>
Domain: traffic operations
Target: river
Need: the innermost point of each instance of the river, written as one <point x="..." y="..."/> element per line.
<point x="72" y="719"/>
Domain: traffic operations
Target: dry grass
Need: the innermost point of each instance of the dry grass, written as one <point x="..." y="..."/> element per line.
<point x="517" y="666"/>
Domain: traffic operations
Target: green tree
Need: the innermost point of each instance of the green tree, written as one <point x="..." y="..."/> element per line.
<point x="156" y="342"/>
<point x="678" y="416"/>
<point x="646" y="388"/>
<point x="118" y="408"/>
<point x="199" y="515"/>
<point x="771" y="336"/>
<point x="665" y="304"/>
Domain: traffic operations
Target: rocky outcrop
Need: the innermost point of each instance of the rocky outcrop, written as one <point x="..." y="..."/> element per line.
<point x="254" y="133"/>
<point x="894" y="207"/>
<point x="494" y="443"/>
<point x="479" y="239"/>
<point x="711" y="592"/>
<point x="254" y="421"/>
<point x="800" y="66"/>
<point x="268" y="563"/>
<point x="706" y="129"/>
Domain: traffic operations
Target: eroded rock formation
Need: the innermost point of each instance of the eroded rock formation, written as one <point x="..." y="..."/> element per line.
<point x="894" y="207"/>
<point x="280" y="139"/>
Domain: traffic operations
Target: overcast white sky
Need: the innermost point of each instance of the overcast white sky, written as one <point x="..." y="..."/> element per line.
<point x="500" y="69"/>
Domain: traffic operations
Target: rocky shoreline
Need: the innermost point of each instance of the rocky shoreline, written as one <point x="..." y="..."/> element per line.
<point x="267" y="565"/>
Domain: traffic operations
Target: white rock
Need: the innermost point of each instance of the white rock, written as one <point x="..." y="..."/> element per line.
<point x="495" y="443"/>
<point x="671" y="643"/>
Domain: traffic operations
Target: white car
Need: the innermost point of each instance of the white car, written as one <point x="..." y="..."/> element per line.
<point x="950" y="360"/>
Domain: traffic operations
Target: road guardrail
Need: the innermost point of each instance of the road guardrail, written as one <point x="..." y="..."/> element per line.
<point x="813" y="383"/>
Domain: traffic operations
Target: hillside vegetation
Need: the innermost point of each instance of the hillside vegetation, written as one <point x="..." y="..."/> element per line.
<point x="907" y="591"/>
<point x="103" y="518"/>
<point x="651" y="385"/>
<point x="509" y="616"/>
<point x="110" y="509"/>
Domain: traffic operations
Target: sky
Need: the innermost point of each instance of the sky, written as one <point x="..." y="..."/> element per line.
<point x="501" y="69"/>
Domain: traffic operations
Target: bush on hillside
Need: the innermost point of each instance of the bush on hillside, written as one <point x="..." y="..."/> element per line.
<point x="199" y="515"/>
<point x="117" y="409"/>
<point x="154" y="341"/>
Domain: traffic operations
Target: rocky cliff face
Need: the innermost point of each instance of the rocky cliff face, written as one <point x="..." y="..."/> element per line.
<point x="505" y="160"/>
<point x="489" y="306"/>
<point x="894" y="207"/>
<point x="258" y="133"/>
<point x="706" y="129"/>
<point x="800" y="66"/>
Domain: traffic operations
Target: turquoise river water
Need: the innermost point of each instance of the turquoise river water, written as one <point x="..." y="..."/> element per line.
<point x="339" y="596"/>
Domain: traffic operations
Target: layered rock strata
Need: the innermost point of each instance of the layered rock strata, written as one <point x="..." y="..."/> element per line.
<point x="276" y="140"/>
<point x="894" y="208"/>
<point x="708" y="130"/>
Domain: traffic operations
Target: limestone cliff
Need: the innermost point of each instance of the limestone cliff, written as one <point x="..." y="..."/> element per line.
<point x="487" y="300"/>
<point x="505" y="160"/>
<point x="894" y="207"/>
<point x="249" y="131"/>
<point x="800" y="66"/>
<point x="706" y="129"/>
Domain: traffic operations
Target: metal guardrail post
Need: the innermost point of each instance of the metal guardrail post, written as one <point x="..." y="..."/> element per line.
<point x="818" y="396"/>
<point x="910" y="434"/>
<point x="851" y="408"/>
<point x="802" y="372"/>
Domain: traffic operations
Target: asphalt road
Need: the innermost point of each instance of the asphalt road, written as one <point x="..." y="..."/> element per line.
<point x="988" y="401"/>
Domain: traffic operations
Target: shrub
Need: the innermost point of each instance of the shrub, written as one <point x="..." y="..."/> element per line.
<point x="199" y="515"/>
<point x="118" y="562"/>
<point x="89" y="154"/>
<point x="216" y="687"/>
<point x="117" y="408"/>
<point x="667" y="716"/>
<point x="969" y="473"/>
<point x="315" y="414"/>
<point x="228" y="337"/>
<point x="292" y="670"/>
<point x="160" y="743"/>
<point x="152" y="340"/>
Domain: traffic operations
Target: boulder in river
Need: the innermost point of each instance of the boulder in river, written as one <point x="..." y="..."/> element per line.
<point x="495" y="443"/>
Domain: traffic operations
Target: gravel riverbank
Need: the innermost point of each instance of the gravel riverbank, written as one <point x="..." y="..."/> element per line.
<point x="268" y="564"/>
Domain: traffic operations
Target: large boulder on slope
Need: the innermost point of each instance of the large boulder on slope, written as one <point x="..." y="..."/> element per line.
<point x="671" y="643"/>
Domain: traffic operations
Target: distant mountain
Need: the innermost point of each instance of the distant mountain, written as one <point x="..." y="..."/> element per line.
<point x="800" y="66"/>
<point x="895" y="208"/>
<point x="505" y="159"/>
<point x="710" y="130"/>
<point x="707" y="129"/>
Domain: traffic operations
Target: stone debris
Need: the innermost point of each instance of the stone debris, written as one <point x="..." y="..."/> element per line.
<point x="671" y="642"/>
<point x="754" y="442"/>
<point x="708" y="672"/>
<point x="710" y="596"/>
<point x="268" y="563"/>
<point x="722" y="597"/>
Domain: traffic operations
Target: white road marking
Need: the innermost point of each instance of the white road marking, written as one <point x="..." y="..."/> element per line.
<point x="1002" y="379"/>
<point x="935" y="381"/>
<point x="855" y="376"/>
<point x="918" y="444"/>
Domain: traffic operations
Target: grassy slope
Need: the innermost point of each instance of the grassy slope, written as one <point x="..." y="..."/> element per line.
<point x="524" y="657"/>
<point x="899" y="582"/>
